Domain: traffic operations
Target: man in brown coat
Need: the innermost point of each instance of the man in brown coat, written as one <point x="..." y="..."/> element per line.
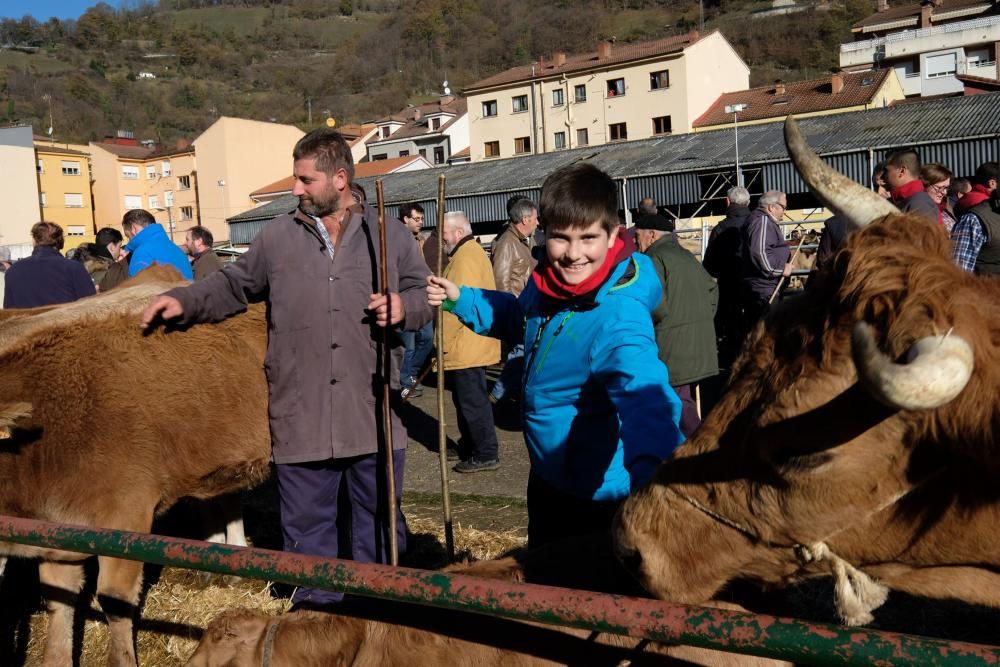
<point x="318" y="266"/>
<point x="512" y="266"/>
<point x="204" y="261"/>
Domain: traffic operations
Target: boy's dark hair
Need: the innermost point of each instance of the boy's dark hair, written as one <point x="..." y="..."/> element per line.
<point x="986" y="172"/>
<point x="203" y="234"/>
<point x="406" y="210"/>
<point x="329" y="149"/>
<point x="47" y="234"/>
<point x="107" y="235"/>
<point x="576" y="196"/>
<point x="138" y="217"/>
<point x="905" y="157"/>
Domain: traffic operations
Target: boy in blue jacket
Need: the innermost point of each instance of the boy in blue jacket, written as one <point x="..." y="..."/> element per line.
<point x="599" y="414"/>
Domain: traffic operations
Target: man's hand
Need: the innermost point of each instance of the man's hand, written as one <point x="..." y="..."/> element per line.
<point x="787" y="270"/>
<point x="378" y="306"/>
<point x="439" y="289"/>
<point x="164" y="307"/>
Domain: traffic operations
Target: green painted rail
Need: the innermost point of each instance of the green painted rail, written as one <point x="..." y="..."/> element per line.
<point x="768" y="636"/>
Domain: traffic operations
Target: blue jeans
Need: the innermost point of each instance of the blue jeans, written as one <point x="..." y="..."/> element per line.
<point x="509" y="382"/>
<point x="418" y="347"/>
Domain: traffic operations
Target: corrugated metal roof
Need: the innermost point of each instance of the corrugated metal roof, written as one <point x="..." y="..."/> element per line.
<point x="959" y="132"/>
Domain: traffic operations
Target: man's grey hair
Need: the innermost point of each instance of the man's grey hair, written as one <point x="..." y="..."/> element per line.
<point x="521" y="209"/>
<point x="458" y="219"/>
<point x="738" y="195"/>
<point x="770" y="198"/>
<point x="647" y="207"/>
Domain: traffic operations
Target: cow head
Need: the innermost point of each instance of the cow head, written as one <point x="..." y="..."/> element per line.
<point x="859" y="417"/>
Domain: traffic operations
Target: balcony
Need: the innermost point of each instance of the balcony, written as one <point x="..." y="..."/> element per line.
<point x="908" y="43"/>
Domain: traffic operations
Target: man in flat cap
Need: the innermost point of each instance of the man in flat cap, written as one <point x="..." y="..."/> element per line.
<point x="684" y="320"/>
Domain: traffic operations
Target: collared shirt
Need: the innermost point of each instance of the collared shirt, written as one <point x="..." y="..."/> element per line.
<point x="968" y="238"/>
<point x="324" y="234"/>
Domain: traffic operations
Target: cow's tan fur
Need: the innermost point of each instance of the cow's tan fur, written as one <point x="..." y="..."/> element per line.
<point x="796" y="452"/>
<point x="121" y="425"/>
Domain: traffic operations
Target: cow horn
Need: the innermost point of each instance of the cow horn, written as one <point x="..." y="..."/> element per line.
<point x="852" y="201"/>
<point x="936" y="371"/>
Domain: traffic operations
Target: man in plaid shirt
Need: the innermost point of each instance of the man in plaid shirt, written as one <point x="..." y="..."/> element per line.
<point x="976" y="235"/>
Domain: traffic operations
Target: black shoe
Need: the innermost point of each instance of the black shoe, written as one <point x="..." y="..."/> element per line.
<point x="472" y="465"/>
<point x="453" y="454"/>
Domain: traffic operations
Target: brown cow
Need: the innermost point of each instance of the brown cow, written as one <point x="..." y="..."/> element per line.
<point x="89" y="404"/>
<point x="857" y="432"/>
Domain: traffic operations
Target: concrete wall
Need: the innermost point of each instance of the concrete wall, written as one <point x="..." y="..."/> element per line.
<point x="19" y="186"/>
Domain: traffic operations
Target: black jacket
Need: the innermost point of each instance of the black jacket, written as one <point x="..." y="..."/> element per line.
<point x="724" y="257"/>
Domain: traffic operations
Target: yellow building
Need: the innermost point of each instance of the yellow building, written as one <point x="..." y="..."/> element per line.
<point x="64" y="190"/>
<point x="620" y="92"/>
<point x="836" y="93"/>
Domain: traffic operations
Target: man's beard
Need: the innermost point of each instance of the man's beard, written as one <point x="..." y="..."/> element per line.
<point x="319" y="208"/>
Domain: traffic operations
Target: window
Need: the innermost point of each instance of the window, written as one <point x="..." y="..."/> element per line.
<point x="384" y="132"/>
<point x="522" y="145"/>
<point x="659" y="80"/>
<point x="380" y="156"/>
<point x="186" y="213"/>
<point x="70" y="168"/>
<point x="557" y="97"/>
<point x="154" y="201"/>
<point x="491" y="149"/>
<point x="519" y="103"/>
<point x="582" y="137"/>
<point x="616" y="87"/>
<point x="423" y="153"/>
<point x="130" y="172"/>
<point x="75" y="230"/>
<point x="439" y="155"/>
<point x="184" y="182"/>
<point x="168" y="198"/>
<point x="560" y="140"/>
<point x="133" y="202"/>
<point x="661" y="125"/>
<point x="580" y="93"/>
<point x="617" y="132"/>
<point x="435" y="123"/>
<point x="41" y="166"/>
<point x="165" y="168"/>
<point x="489" y="108"/>
<point x="73" y="200"/>
<point x="942" y="65"/>
<point x="150" y="172"/>
<point x="404" y="153"/>
<point x="41" y="199"/>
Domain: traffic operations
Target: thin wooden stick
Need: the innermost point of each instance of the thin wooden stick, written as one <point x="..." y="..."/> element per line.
<point x="781" y="281"/>
<point x="390" y="464"/>
<point x="449" y="535"/>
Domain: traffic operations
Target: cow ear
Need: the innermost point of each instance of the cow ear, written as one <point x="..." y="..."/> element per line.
<point x="12" y="416"/>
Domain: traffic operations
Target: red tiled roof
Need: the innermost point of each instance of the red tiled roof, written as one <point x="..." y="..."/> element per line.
<point x="418" y="127"/>
<point x="361" y="170"/>
<point x="902" y="12"/>
<point x="59" y="151"/>
<point x="620" y="53"/>
<point x="800" y="97"/>
<point x="278" y="187"/>
<point x="464" y="153"/>
<point x="980" y="82"/>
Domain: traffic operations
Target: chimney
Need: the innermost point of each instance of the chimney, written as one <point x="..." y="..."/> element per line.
<point x="417" y="113"/>
<point x="883" y="5"/>
<point x="779" y="88"/>
<point x="603" y="49"/>
<point x="559" y="58"/>
<point x="694" y="36"/>
<point x="836" y="82"/>
<point x="926" y="9"/>
<point x="181" y="144"/>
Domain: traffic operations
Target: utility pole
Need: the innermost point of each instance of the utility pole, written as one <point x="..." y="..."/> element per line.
<point x="309" y="104"/>
<point x="735" y="109"/>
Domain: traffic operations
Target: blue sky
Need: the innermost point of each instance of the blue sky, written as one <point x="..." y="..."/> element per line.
<point x="43" y="9"/>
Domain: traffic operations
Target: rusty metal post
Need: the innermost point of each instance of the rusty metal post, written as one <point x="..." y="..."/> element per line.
<point x="449" y="532"/>
<point x="390" y="464"/>
<point x="736" y="632"/>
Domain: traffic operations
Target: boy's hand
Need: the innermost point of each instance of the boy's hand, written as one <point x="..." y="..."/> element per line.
<point x="439" y="289"/>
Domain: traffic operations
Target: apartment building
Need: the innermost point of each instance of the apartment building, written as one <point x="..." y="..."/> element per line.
<point x="934" y="46"/>
<point x="18" y="188"/>
<point x="435" y="131"/>
<point x="64" y="189"/>
<point x="129" y="176"/>
<point x="838" y="93"/>
<point x="618" y="92"/>
<point x="236" y="155"/>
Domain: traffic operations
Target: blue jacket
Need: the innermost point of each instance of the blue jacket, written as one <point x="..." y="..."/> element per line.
<point x="599" y="413"/>
<point x="44" y="279"/>
<point x="151" y="246"/>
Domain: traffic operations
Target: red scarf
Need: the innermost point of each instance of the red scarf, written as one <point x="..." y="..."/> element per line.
<point x="977" y="195"/>
<point x="549" y="283"/>
<point x="904" y="192"/>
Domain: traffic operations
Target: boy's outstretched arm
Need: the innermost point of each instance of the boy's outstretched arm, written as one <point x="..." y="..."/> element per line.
<point x="487" y="312"/>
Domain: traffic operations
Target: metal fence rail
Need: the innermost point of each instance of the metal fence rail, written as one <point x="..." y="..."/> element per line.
<point x="769" y="636"/>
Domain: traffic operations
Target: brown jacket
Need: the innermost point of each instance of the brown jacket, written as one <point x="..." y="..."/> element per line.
<point x="462" y="348"/>
<point x="512" y="261"/>
<point x="322" y="353"/>
<point x="116" y="274"/>
<point x="205" y="264"/>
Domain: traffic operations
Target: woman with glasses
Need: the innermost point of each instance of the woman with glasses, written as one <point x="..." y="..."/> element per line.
<point x="937" y="180"/>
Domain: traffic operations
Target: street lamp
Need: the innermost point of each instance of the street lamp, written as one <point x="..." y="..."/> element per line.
<point x="170" y="219"/>
<point x="735" y="109"/>
<point x="222" y="184"/>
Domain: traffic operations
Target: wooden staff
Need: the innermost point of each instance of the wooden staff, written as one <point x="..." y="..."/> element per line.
<point x="390" y="464"/>
<point x="781" y="281"/>
<point x="449" y="536"/>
